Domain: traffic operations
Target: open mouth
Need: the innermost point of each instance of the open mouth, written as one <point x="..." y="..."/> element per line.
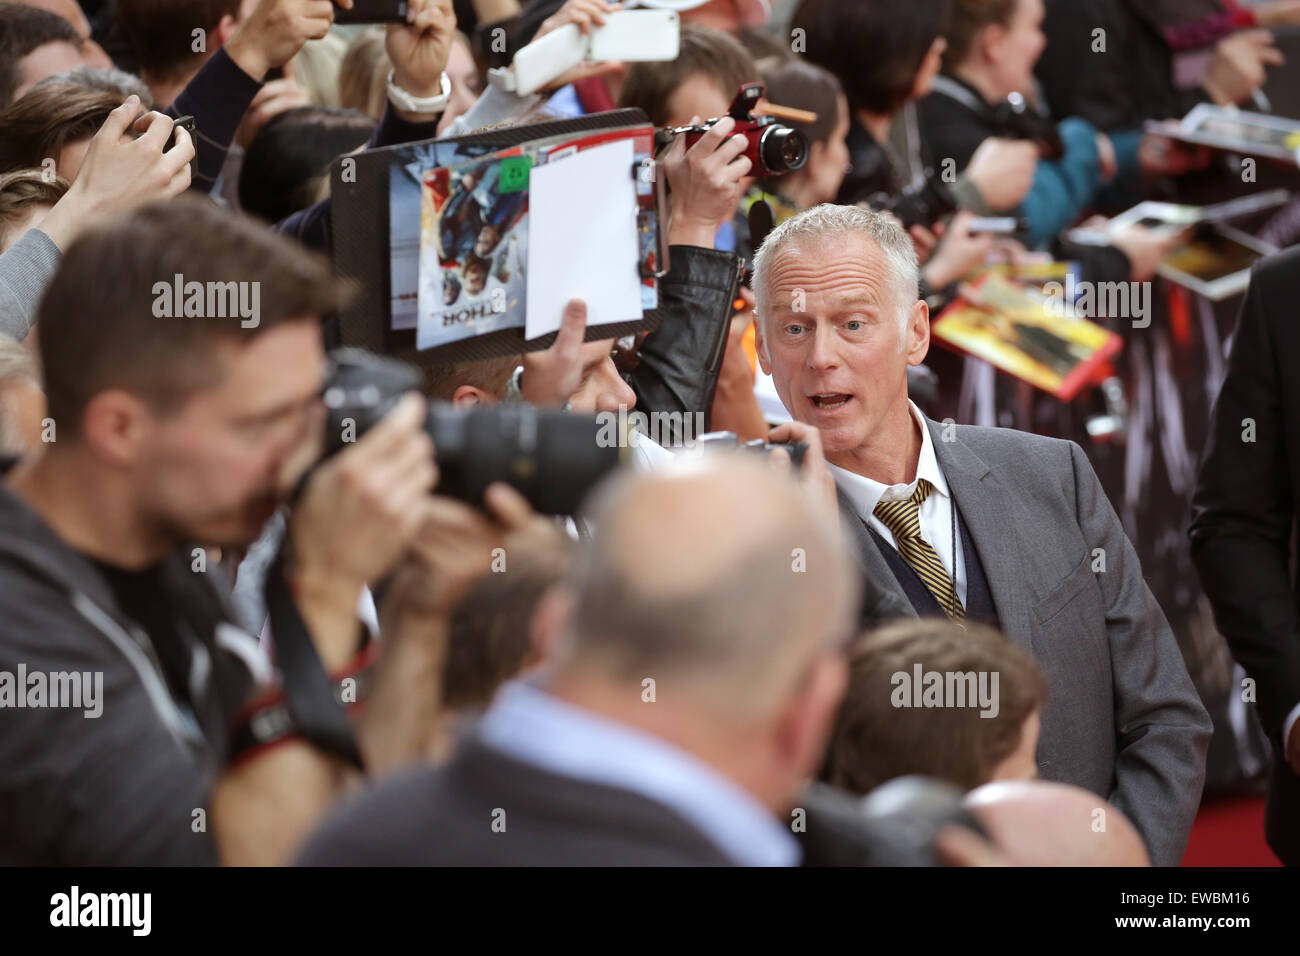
<point x="828" y="401"/>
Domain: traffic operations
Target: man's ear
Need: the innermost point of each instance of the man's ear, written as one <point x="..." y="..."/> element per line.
<point x="224" y="31"/>
<point x="467" y="395"/>
<point x="988" y="44"/>
<point x="930" y="67"/>
<point x="760" y="346"/>
<point x="549" y="624"/>
<point x="804" y="725"/>
<point x="114" y="425"/>
<point x="918" y="333"/>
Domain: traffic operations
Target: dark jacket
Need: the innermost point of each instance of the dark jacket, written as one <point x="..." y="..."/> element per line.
<point x="681" y="359"/>
<point x="444" y="817"/>
<point x="121" y="788"/>
<point x="1062" y="188"/>
<point x="874" y="168"/>
<point x="217" y="97"/>
<point x="1130" y="82"/>
<point x="1243" y="513"/>
<point x="955" y="125"/>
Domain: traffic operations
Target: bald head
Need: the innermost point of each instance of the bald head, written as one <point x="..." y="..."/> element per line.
<point x="718" y="573"/>
<point x="1036" y="823"/>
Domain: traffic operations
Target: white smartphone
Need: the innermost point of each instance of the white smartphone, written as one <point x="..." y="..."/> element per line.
<point x="637" y="36"/>
<point x="629" y="35"/>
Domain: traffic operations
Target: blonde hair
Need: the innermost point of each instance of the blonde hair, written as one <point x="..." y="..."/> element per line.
<point x="317" y="69"/>
<point x="363" y="73"/>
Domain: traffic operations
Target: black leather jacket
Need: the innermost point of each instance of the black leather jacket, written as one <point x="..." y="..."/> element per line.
<point x="680" y="360"/>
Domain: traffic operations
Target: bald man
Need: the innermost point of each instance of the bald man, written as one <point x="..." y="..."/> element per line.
<point x="690" y="697"/>
<point x="1037" y="823"/>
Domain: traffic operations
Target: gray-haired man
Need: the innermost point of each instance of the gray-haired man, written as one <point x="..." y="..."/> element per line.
<point x="1001" y="526"/>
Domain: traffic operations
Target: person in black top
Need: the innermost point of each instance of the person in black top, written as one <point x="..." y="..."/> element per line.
<point x="1243" y="513"/>
<point x="905" y="43"/>
<point x="178" y="436"/>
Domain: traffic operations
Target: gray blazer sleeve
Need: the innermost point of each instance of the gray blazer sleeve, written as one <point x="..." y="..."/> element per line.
<point x="25" y="270"/>
<point x="1162" y="731"/>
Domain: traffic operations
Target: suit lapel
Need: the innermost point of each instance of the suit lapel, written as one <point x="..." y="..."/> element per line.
<point x="987" y="505"/>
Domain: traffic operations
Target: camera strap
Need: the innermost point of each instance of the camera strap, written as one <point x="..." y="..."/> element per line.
<point x="955" y="91"/>
<point x="307" y="688"/>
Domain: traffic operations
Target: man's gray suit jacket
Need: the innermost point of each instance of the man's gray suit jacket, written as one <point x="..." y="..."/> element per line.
<point x="1122" y="718"/>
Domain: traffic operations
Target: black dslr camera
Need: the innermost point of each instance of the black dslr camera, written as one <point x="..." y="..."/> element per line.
<point x="923" y="205"/>
<point x="552" y="458"/>
<point x="1014" y="118"/>
<point x="773" y="147"/>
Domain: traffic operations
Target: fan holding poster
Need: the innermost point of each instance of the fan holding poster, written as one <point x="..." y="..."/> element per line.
<point x="473" y="245"/>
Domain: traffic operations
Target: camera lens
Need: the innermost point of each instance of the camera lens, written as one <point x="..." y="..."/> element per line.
<point x="782" y="149"/>
<point x="553" y="458"/>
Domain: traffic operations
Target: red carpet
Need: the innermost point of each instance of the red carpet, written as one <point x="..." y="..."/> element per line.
<point x="1229" y="831"/>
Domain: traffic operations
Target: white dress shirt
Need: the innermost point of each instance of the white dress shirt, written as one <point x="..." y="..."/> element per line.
<point x="938" y="525"/>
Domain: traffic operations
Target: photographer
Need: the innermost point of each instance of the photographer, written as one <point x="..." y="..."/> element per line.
<point x="217" y="85"/>
<point x="177" y="435"/>
<point x="118" y="173"/>
<point x="419" y="50"/>
<point x="906" y="44"/>
<point x="992" y="49"/>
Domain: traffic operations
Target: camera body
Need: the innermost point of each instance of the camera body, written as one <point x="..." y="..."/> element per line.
<point x="774" y="148"/>
<point x="372" y="11"/>
<point x="923" y="205"/>
<point x="552" y="458"/>
<point x="1014" y="118"/>
<point x="729" y="440"/>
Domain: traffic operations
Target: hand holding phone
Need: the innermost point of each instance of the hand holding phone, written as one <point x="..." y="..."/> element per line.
<point x="372" y="11"/>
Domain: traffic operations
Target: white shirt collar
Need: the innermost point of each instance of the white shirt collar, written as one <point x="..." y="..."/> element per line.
<point x="866" y="493"/>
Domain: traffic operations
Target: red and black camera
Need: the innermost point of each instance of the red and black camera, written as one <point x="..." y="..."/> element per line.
<point x="774" y="148"/>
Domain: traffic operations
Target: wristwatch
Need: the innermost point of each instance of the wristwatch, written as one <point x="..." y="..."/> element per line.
<point x="419" y="104"/>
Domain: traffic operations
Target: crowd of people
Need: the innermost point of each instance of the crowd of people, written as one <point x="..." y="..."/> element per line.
<point x="932" y="623"/>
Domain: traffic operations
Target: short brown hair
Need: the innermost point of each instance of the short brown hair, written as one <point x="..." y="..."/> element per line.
<point x="97" y="322"/>
<point x="160" y="33"/>
<point x="875" y="741"/>
<point x="874" y="47"/>
<point x="489" y="640"/>
<point x="805" y="86"/>
<point x="48" y="117"/>
<point x="968" y="18"/>
<point x="23" y="30"/>
<point x="491" y="375"/>
<point x="719" y="56"/>
<point x="22" y="190"/>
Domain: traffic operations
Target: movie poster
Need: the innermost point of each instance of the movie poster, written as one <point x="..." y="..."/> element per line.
<point x="473" y="246"/>
<point x="1019" y="331"/>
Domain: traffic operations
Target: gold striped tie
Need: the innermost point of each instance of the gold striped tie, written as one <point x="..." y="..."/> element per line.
<point x="903" y="518"/>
